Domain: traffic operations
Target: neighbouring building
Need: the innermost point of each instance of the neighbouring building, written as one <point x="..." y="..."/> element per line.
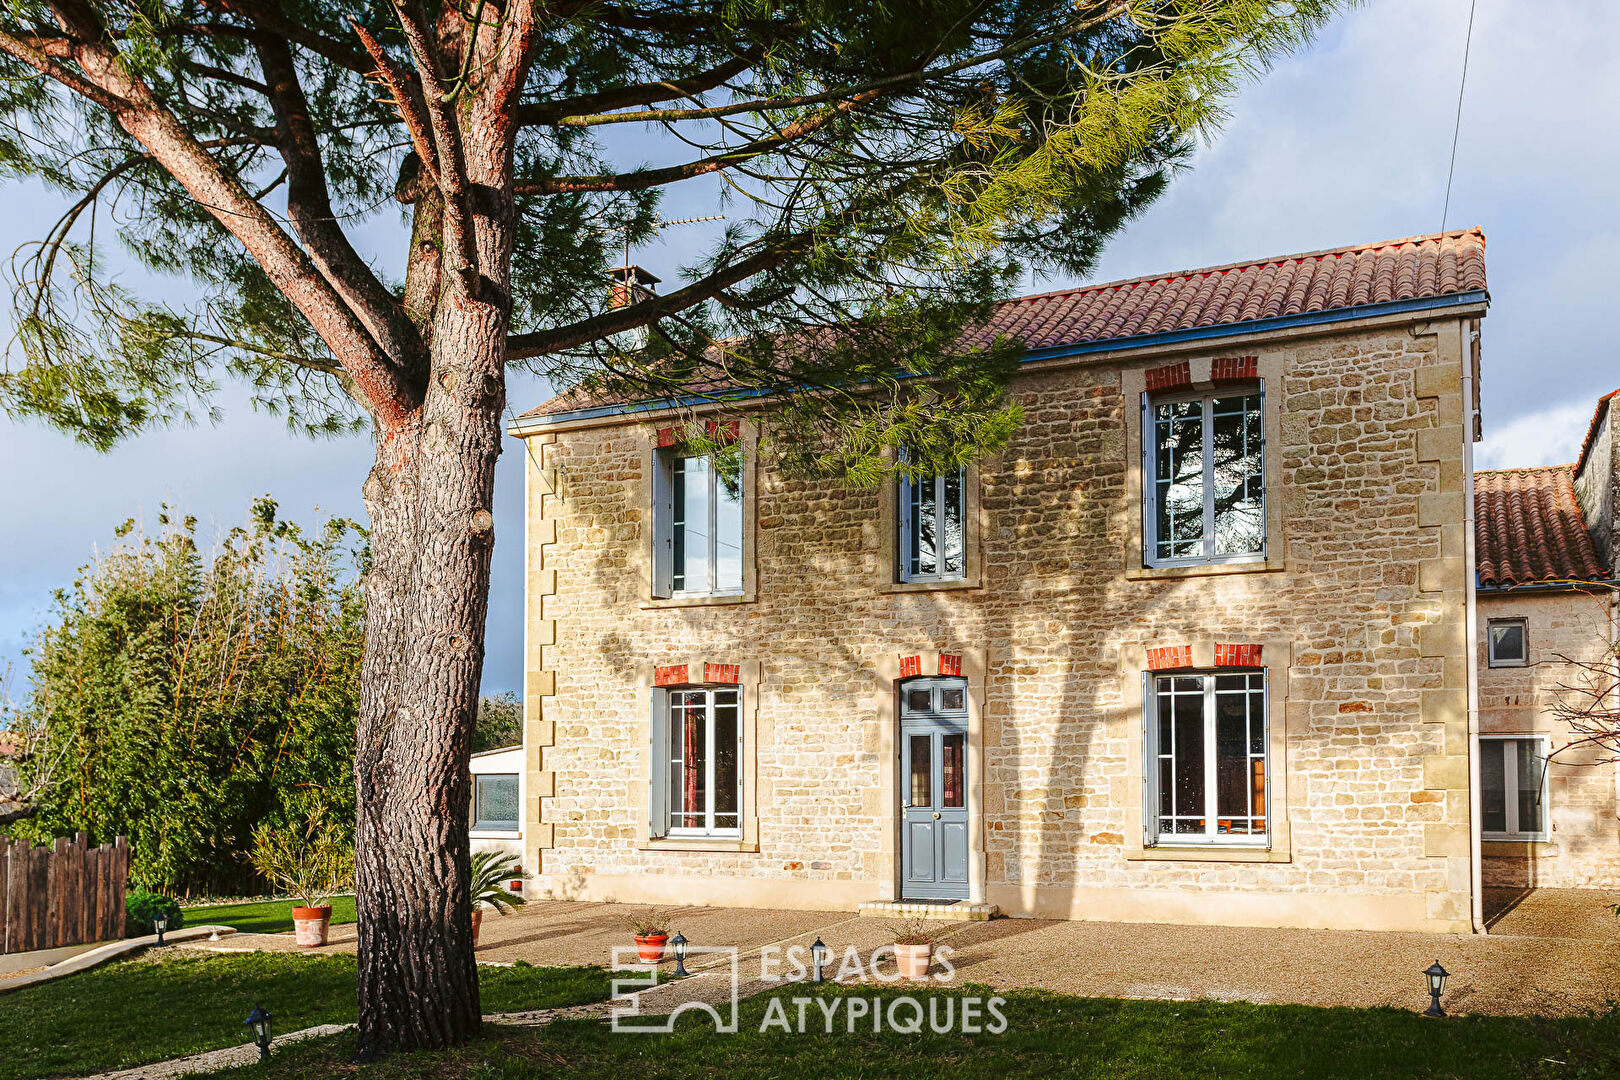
<point x="1548" y="542"/>
<point x="1198" y="646"/>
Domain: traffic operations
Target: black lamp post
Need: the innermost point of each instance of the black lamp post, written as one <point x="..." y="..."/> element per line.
<point x="678" y="943"/>
<point x="259" y="1022"/>
<point x="818" y="954"/>
<point x="1437" y="976"/>
<point x="160" y="923"/>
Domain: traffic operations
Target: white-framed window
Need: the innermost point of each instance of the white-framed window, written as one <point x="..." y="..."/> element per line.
<point x="933" y="539"/>
<point x="495" y="802"/>
<point x="1509" y="642"/>
<point x="1204" y="478"/>
<point x="1206" y="748"/>
<point x="698" y="523"/>
<point x="1513" y="787"/>
<point x="697" y="740"/>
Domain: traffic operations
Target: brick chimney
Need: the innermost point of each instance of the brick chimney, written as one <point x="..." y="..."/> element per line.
<point x="631" y="285"/>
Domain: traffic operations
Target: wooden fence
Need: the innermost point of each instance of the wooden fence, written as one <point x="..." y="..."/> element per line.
<point x="68" y="894"/>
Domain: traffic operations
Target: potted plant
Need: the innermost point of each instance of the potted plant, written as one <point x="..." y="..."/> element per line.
<point x="913" y="951"/>
<point x="491" y="870"/>
<point x="312" y="865"/>
<point x="651" y="935"/>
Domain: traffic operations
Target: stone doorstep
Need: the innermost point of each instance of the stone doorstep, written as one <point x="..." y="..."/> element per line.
<point x="955" y="911"/>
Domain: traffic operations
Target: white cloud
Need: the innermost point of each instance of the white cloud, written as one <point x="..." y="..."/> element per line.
<point x="1550" y="436"/>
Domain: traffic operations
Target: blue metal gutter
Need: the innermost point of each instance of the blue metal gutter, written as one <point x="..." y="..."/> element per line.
<point x="1084" y="348"/>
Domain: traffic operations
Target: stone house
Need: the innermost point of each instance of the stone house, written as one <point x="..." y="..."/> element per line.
<point x="1198" y="646"/>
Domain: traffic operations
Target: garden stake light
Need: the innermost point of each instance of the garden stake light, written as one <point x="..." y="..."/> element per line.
<point x="259" y="1022"/>
<point x="819" y="954"/>
<point x="1437" y="982"/>
<point x="160" y="923"/>
<point x="678" y="943"/>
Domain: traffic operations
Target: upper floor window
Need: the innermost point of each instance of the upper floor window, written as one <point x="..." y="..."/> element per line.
<point x="1509" y="643"/>
<point x="1204" y="478"/>
<point x="698" y="523"/>
<point x="1513" y="787"/>
<point x="932" y="541"/>
<point x="495" y="802"/>
<point x="1206" y="750"/>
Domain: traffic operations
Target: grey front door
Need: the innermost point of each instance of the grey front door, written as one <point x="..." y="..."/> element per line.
<point x="933" y="790"/>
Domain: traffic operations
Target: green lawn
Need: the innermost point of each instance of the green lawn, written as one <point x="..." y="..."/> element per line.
<point x="170" y="1004"/>
<point x="1046" y="1036"/>
<point x="263" y="916"/>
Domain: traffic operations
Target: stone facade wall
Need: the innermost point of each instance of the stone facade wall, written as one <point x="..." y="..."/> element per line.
<point x="1360" y="605"/>
<point x="1584" y="849"/>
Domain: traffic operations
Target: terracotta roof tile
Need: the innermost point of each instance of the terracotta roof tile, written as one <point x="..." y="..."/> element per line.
<point x="1528" y="528"/>
<point x="1417" y="267"/>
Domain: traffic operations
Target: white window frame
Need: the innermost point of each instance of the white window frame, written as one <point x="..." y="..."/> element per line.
<point x="1150" y="464"/>
<point x="665" y="459"/>
<point x="1211" y="836"/>
<point x="907" y="539"/>
<point x="1490" y="643"/>
<point x="663" y="731"/>
<point x="481" y="826"/>
<point x="1510" y="788"/>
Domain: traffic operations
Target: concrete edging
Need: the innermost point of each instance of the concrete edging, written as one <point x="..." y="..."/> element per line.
<point x="112" y="950"/>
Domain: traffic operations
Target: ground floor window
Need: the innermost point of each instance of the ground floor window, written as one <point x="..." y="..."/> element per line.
<point x="703" y="741"/>
<point x="1513" y="787"/>
<point x="1206" y="755"/>
<point x="495" y="802"/>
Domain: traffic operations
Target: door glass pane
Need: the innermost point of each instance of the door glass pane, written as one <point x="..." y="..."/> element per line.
<point x="725" y="759"/>
<point x="1529" y="765"/>
<point x="1235" y="463"/>
<point x="1493" y="788"/>
<point x="1178" y="432"/>
<point x="953" y="770"/>
<point x="690" y="729"/>
<point x="922" y="789"/>
<point x="950" y="699"/>
<point x="1181" y="755"/>
<point x="952" y="537"/>
<point x="920" y="700"/>
<point x="1240" y="767"/>
<point x="695" y="488"/>
<point x="728" y="523"/>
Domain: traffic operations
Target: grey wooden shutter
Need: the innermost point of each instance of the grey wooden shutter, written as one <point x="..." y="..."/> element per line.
<point x="1150" y="763"/>
<point x="663" y="516"/>
<point x="658" y="764"/>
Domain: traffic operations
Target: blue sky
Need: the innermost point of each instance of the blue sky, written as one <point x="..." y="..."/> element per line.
<point x="1346" y="143"/>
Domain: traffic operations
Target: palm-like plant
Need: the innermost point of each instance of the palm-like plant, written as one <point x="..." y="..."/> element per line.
<point x="489" y="870"/>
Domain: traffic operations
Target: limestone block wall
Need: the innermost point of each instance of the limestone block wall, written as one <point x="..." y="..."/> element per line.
<point x="1597" y="486"/>
<point x="1359" y="609"/>
<point x="1584" y="849"/>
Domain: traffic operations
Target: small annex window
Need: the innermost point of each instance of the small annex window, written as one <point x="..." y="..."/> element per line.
<point x="698" y="523"/>
<point x="932" y="523"/>
<point x="1513" y="787"/>
<point x="495" y="802"/>
<point x="697" y="743"/>
<point x="1206" y="759"/>
<point x="1509" y="641"/>
<point x="1204" y="477"/>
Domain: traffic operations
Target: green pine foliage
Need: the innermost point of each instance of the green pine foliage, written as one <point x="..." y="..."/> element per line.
<point x="198" y="697"/>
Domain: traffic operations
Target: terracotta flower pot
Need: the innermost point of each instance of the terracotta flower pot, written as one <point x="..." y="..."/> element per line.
<point x="310" y="925"/>
<point x="912" y="960"/>
<point x="651" y="949"/>
<point x="478" y="921"/>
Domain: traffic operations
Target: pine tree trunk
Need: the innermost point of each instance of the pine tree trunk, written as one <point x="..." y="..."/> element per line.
<point x="429" y="496"/>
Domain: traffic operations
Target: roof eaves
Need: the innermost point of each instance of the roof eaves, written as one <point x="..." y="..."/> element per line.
<point x="525" y="425"/>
